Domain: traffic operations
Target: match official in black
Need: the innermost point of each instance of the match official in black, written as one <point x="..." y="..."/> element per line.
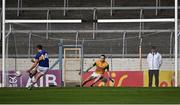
<point x="154" y="60"/>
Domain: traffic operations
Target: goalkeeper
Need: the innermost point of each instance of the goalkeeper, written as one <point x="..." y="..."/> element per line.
<point x="98" y="74"/>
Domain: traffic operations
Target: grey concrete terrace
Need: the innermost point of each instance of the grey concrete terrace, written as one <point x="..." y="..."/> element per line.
<point x="99" y="42"/>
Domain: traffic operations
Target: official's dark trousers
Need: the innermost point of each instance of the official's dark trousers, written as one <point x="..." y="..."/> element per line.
<point x="156" y="74"/>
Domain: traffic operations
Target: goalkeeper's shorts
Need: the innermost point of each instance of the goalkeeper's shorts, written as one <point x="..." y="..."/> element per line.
<point x="42" y="70"/>
<point x="95" y="75"/>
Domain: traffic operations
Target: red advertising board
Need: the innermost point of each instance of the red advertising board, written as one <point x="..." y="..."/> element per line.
<point x="121" y="78"/>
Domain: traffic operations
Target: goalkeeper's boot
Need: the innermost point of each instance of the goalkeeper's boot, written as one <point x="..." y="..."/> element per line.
<point x="92" y="85"/>
<point x="83" y="84"/>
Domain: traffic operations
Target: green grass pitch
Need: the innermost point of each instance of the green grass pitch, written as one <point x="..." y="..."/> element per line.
<point x="94" y="95"/>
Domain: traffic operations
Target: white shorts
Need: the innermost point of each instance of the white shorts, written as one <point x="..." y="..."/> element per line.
<point x="42" y="70"/>
<point x="95" y="75"/>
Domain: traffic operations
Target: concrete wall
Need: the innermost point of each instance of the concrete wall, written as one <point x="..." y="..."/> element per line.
<point x="131" y="64"/>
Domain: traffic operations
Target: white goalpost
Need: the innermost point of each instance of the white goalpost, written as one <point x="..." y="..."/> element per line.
<point x="3" y="43"/>
<point x="176" y="43"/>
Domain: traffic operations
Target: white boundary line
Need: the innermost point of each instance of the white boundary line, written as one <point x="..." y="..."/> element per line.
<point x="44" y="21"/>
<point x="99" y="21"/>
<point x="134" y="20"/>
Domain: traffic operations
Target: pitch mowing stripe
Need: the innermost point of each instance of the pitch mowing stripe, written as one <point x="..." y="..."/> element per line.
<point x="90" y="95"/>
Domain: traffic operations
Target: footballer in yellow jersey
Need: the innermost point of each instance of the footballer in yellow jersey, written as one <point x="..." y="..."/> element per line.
<point x="101" y="66"/>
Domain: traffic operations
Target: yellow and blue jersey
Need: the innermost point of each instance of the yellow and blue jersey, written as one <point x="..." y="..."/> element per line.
<point x="42" y="56"/>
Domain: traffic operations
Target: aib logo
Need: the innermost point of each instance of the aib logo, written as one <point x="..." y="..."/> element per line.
<point x="12" y="81"/>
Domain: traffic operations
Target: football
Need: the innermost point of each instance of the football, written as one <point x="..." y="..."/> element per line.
<point x="18" y="73"/>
